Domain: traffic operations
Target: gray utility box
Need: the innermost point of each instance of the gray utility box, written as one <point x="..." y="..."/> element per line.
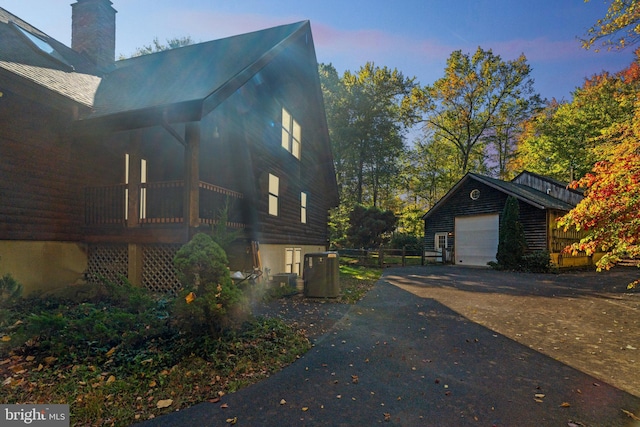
<point x="321" y="275"/>
<point x="283" y="280"/>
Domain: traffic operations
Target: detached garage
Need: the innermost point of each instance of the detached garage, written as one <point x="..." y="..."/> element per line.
<point x="463" y="227"/>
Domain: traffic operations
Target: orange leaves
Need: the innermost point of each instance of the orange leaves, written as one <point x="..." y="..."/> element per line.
<point x="610" y="212"/>
<point x="190" y="297"/>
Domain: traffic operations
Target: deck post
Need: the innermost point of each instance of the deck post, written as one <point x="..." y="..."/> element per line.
<point x="134" y="265"/>
<point x="135" y="177"/>
<point x="192" y="177"/>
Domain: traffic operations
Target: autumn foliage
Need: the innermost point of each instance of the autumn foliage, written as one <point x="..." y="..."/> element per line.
<point x="610" y="211"/>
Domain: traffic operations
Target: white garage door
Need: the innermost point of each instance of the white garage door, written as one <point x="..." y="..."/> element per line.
<point x="476" y="239"/>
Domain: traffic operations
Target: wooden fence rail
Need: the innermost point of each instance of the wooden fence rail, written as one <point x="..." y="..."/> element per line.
<point x="383" y="257"/>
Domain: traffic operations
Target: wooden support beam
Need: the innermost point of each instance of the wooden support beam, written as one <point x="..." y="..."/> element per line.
<point x="135" y="177"/>
<point x="192" y="177"/>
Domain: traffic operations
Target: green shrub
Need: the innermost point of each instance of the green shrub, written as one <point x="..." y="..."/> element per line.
<point x="117" y="315"/>
<point x="10" y="290"/>
<point x="537" y="262"/>
<point x="210" y="301"/>
<point x="408" y="241"/>
<point x="10" y="293"/>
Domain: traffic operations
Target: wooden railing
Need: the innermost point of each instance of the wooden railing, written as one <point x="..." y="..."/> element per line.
<point x="105" y="205"/>
<point x="160" y="203"/>
<point x="214" y="199"/>
<point x="560" y="239"/>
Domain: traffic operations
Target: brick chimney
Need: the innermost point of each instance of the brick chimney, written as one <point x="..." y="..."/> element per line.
<point x="93" y="31"/>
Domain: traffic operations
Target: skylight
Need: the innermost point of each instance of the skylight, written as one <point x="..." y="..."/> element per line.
<point x="41" y="44"/>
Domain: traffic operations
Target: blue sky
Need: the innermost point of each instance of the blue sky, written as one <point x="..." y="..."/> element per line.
<point x="414" y="36"/>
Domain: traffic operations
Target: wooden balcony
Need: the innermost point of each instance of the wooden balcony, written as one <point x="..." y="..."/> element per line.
<point x="159" y="204"/>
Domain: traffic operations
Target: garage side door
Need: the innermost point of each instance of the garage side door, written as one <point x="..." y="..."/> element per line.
<point x="476" y="239"/>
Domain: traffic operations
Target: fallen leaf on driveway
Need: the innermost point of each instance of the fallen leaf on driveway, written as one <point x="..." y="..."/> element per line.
<point x="283" y="402"/>
<point x="631" y="415"/>
<point x="164" y="403"/>
<point x="565" y="405"/>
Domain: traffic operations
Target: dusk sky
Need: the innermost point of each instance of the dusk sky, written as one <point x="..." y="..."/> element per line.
<point x="414" y="36"/>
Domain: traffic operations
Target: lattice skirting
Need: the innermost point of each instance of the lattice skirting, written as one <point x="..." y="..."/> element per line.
<point x="107" y="263"/>
<point x="158" y="273"/>
<point x="110" y="262"/>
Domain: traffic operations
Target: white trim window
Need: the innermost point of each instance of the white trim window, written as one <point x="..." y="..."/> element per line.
<point x="274" y="184"/>
<point x="291" y="134"/>
<point x="143" y="190"/>
<point x="293" y="260"/>
<point x="303" y="207"/>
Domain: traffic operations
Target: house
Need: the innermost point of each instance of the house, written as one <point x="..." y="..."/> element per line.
<point x="463" y="226"/>
<point x="108" y="167"/>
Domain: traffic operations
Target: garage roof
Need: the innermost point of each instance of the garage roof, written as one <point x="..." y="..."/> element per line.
<point x="522" y="192"/>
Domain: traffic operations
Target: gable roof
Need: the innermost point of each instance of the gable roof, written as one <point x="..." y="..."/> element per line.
<point x="64" y="72"/>
<point x="147" y="88"/>
<point x="197" y="77"/>
<point x="531" y="196"/>
<point x="550" y="180"/>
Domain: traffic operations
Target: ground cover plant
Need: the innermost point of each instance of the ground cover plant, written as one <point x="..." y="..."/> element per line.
<point x="116" y="355"/>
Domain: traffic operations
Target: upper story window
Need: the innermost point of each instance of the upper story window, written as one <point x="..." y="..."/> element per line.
<point x="303" y="207"/>
<point x="291" y="134"/>
<point x="274" y="183"/>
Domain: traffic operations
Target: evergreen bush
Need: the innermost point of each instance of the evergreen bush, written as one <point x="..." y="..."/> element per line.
<point x="512" y="244"/>
<point x="537" y="262"/>
<point x="210" y="301"/>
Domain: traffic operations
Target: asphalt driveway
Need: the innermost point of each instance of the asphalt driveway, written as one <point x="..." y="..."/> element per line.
<point x="406" y="359"/>
<point x="587" y="320"/>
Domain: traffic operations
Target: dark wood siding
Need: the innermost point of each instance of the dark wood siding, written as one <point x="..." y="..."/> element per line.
<point x="534" y="222"/>
<point x="40" y="196"/>
<point x="258" y="125"/>
<point x="490" y="201"/>
<point x="553" y="188"/>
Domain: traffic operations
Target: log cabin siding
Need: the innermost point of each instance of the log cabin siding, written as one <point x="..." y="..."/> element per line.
<point x="40" y="196"/>
<point x="534" y="222"/>
<point x="262" y="135"/>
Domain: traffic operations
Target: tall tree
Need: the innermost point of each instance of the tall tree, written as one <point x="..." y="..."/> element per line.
<point x="468" y="104"/>
<point x="337" y="108"/>
<point x="367" y="123"/>
<point x="565" y="140"/>
<point x="618" y="29"/>
<point x="370" y="227"/>
<point x="430" y="171"/>
<point x="503" y="137"/>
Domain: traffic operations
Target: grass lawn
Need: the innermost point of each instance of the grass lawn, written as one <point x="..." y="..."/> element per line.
<point x="115" y="358"/>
